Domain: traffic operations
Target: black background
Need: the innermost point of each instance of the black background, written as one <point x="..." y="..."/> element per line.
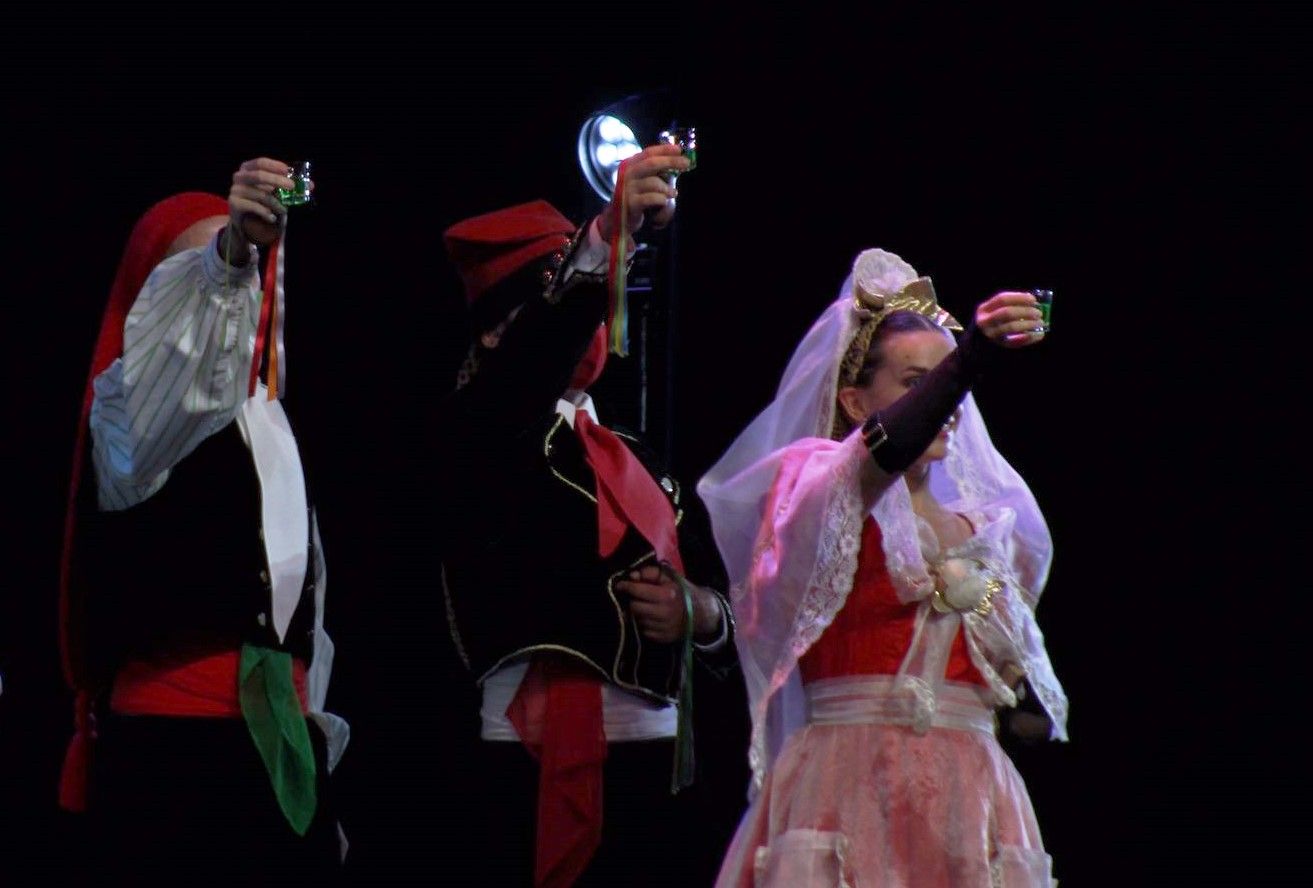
<point x="1143" y="167"/>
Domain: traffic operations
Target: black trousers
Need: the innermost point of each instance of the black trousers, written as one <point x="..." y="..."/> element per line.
<point x="188" y="801"/>
<point x="649" y="836"/>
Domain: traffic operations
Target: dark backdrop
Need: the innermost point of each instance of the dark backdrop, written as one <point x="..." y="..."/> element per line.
<point x="1140" y="167"/>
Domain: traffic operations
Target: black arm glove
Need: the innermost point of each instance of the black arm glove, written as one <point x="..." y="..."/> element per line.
<point x="899" y="434"/>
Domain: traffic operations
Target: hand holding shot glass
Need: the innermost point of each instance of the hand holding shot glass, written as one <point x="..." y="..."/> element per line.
<point x="255" y="201"/>
<point x="1013" y="318"/>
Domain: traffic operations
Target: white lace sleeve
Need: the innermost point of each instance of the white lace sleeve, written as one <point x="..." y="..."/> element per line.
<point x="802" y="570"/>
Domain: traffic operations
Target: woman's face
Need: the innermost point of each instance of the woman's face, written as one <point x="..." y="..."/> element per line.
<point x="905" y="358"/>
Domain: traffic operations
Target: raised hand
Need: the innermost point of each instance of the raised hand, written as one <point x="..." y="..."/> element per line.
<point x="647" y="195"/>
<point x="254" y="209"/>
<point x="1011" y="319"/>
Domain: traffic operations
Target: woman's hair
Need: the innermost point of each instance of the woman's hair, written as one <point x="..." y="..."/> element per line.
<point x="901" y="321"/>
<point x="866" y="354"/>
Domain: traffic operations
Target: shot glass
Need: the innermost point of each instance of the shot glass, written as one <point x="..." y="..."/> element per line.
<point x="687" y="139"/>
<point x="1044" y="302"/>
<point x="302" y="193"/>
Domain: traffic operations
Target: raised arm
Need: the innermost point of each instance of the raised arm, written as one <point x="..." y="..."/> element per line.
<point x="187" y="344"/>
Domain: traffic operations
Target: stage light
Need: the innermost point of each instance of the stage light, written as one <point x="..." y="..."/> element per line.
<point x="614" y="130"/>
<point x="604" y="142"/>
<point x="619" y="130"/>
<point x="638" y="390"/>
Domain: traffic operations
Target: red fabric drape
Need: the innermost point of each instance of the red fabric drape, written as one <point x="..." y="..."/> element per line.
<point x="557" y="709"/>
<point x="151" y="237"/>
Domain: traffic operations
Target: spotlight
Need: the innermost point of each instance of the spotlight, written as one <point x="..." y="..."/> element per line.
<point x="620" y="130"/>
<point x="605" y="141"/>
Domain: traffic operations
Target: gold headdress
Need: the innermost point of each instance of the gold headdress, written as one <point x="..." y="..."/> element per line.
<point x="883" y="283"/>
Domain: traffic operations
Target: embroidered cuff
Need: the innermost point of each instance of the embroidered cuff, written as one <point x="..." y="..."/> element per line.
<point x="560" y="268"/>
<point x="585" y="259"/>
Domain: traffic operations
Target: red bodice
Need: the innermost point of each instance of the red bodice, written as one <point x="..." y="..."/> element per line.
<point x="872" y="632"/>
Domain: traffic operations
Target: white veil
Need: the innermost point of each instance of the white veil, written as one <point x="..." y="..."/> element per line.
<point x="786" y="513"/>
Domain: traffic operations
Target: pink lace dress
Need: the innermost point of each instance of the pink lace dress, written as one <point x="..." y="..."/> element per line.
<point x="868" y="794"/>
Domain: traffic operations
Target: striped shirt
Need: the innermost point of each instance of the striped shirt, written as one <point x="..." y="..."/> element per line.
<point x="187" y="346"/>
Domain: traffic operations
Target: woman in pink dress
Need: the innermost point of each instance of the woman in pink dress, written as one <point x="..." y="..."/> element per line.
<point x="885" y="564"/>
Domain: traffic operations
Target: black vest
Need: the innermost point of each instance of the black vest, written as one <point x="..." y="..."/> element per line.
<point x="520" y="543"/>
<point x="185" y="571"/>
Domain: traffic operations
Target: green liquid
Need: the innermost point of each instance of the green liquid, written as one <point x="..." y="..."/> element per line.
<point x="297" y="197"/>
<point x="692" y="155"/>
<point x="1044" y="302"/>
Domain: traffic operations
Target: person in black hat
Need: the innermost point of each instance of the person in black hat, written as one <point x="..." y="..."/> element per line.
<point x="577" y="594"/>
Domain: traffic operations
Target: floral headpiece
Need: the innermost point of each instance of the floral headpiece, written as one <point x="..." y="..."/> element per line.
<point x="882" y="284"/>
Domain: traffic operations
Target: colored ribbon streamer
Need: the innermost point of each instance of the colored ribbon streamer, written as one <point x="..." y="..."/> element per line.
<point x="277" y="349"/>
<point x="618" y="273"/>
<point x="269" y="329"/>
<point x="272" y="711"/>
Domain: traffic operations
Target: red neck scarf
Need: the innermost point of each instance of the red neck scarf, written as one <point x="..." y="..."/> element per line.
<point x="557" y="710"/>
<point x="154" y="232"/>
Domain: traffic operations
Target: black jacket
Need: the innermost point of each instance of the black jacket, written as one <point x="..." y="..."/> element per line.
<point x="521" y="565"/>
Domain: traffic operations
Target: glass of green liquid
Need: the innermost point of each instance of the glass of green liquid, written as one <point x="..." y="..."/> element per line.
<point x="302" y="192"/>
<point x="1044" y="302"/>
<point x="686" y="137"/>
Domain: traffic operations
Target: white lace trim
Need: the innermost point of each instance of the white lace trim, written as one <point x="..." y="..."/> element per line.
<point x="836" y="560"/>
<point x="827" y="588"/>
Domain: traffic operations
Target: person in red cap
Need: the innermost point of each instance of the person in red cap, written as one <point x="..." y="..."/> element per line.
<point x="192" y="581"/>
<point x="576" y="594"/>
